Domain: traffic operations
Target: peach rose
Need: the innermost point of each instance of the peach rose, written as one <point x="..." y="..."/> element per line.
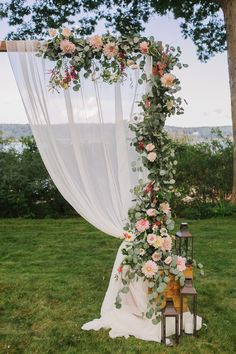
<point x="165" y="207"/>
<point x="67" y="46"/>
<point x="96" y="41"/>
<point x="143" y="46"/>
<point x="66" y="32"/>
<point x="152" y="156"/>
<point x="167" y="80"/>
<point x="110" y="50"/>
<point x="150" y="147"/>
<point x="52" y="32"/>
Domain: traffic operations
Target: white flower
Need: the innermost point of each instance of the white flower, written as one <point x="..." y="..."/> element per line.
<point x="169" y="105"/>
<point x="149" y="269"/>
<point x="66" y="32"/>
<point x="168" y="260"/>
<point x="142" y="252"/>
<point x="52" y="32"/>
<point x="150" y="147"/>
<point x="158" y="242"/>
<point x="163" y="232"/>
<point x="152" y="156"/>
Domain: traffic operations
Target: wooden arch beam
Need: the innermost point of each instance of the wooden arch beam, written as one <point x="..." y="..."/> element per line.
<point x="3" y="46"/>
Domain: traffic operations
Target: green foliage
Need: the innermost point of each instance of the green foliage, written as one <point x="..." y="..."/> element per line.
<point x="204" y="178"/>
<point x="201" y="20"/>
<point x="26" y="188"/>
<point x="51" y="285"/>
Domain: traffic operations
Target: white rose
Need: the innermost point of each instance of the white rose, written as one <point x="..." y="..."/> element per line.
<point x="52" y="32"/>
<point x="152" y="156"/>
<point x="150" y="147"/>
<point x="66" y="32"/>
<point x="169" y="105"/>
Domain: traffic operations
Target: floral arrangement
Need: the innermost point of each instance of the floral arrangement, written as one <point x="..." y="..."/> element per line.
<point x="148" y="251"/>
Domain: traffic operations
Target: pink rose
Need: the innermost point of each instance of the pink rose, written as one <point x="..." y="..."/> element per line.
<point x="151" y="212"/>
<point x="165" y="207"/>
<point x="67" y="46"/>
<point x="96" y="41"/>
<point x="151" y="238"/>
<point x="181" y="263"/>
<point x="168" y="260"/>
<point x="152" y="156"/>
<point x="143" y="46"/>
<point x="142" y="225"/>
<point x="156" y="256"/>
<point x="150" y="147"/>
<point x="166" y="243"/>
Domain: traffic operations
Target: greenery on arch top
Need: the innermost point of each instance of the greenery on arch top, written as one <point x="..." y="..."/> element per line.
<point x="148" y="252"/>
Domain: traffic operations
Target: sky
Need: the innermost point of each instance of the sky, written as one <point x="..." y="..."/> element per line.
<point x="205" y="86"/>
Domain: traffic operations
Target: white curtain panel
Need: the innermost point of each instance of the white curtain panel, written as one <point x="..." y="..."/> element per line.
<point x="84" y="141"/>
<point x="83" y="137"/>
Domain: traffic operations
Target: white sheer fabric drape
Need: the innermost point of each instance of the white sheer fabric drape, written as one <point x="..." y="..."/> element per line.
<point x="83" y="138"/>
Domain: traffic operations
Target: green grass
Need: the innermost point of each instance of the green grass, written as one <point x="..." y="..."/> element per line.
<point x="54" y="274"/>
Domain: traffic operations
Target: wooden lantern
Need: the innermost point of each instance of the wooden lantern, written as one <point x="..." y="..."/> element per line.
<point x="169" y="311"/>
<point x="188" y="291"/>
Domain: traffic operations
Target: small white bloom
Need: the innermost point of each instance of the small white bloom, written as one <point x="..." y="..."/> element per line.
<point x="150" y="147"/>
<point x="152" y="156"/>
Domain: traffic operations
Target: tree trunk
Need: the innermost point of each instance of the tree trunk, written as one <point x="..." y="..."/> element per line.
<point x="229" y="9"/>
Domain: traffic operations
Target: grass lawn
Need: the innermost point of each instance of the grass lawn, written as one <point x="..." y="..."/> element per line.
<point x="54" y="274"/>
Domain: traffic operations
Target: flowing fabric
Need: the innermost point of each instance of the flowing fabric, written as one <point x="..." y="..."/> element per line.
<point x="84" y="140"/>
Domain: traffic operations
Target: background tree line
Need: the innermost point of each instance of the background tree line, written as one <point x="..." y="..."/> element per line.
<point x="203" y="180"/>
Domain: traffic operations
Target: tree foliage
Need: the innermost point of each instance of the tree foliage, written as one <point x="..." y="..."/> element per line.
<point x="201" y="20"/>
<point x="204" y="172"/>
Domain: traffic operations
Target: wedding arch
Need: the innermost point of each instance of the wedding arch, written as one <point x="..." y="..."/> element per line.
<point x="97" y="108"/>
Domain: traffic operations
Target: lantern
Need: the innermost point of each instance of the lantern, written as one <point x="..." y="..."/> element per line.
<point x="184" y="243"/>
<point x="188" y="291"/>
<point x="169" y="311"/>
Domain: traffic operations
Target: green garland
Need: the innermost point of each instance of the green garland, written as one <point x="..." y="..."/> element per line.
<point x="148" y="247"/>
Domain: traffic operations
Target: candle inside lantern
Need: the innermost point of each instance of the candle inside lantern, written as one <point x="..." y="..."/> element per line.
<point x="188" y="327"/>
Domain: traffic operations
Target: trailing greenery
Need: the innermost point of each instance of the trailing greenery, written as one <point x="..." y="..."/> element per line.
<point x="51" y="285"/>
